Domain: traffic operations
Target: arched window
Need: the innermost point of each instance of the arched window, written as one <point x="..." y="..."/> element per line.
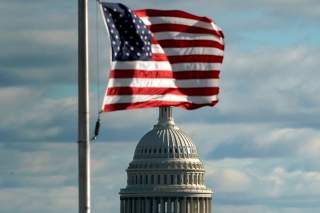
<point x="152" y="179"/>
<point x="171" y="179"/>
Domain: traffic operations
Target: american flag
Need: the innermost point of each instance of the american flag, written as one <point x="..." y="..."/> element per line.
<point x="161" y="58"/>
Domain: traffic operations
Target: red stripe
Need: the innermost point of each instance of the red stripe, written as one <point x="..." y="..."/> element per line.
<point x="170" y="13"/>
<point x="203" y="91"/>
<point x="159" y="57"/>
<point x="188" y="74"/>
<point x="155" y="28"/>
<point x="195" y="58"/>
<point x="170" y="43"/>
<point x="147" y="104"/>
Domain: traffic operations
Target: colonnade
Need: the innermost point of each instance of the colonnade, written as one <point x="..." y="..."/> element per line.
<point x="165" y="205"/>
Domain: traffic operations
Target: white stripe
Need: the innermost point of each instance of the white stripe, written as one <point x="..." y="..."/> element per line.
<point x="162" y="83"/>
<point x="141" y="65"/>
<point x="156" y="48"/>
<point x="164" y="66"/>
<point x="186" y="36"/>
<point x="177" y="20"/>
<point x="174" y="98"/>
<point x="195" y="66"/>
<point x="193" y="51"/>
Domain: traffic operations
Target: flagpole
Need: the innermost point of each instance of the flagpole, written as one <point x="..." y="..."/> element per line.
<point x="83" y="109"/>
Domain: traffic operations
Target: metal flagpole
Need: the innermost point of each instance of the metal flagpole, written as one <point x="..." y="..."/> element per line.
<point x="83" y="109"/>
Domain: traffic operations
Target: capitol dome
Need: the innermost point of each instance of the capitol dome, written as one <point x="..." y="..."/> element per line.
<point x="166" y="174"/>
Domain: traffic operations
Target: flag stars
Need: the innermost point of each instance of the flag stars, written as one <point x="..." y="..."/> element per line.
<point x="130" y="38"/>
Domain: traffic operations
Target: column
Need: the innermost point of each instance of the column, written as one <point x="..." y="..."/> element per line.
<point x="196" y="201"/>
<point x="142" y="204"/>
<point x="207" y="205"/>
<point x="175" y="206"/>
<point x="138" y="205"/>
<point x="125" y="205"/>
<point x="191" y="205"/>
<point x="183" y="205"/>
<point x="129" y="205"/>
<point x="147" y="205"/>
<point x="210" y="200"/>
<point x="121" y="206"/>
<point x="161" y="205"/>
<point x="204" y="205"/>
<point x="154" y="205"/>
<point x="169" y="210"/>
<point x="133" y="205"/>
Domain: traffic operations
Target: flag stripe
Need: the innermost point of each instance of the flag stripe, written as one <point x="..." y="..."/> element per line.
<point x="206" y="91"/>
<point x="193" y="51"/>
<point x="164" y="65"/>
<point x="170" y="13"/>
<point x="175" y="20"/>
<point x="186" y="36"/>
<point x="196" y="66"/>
<point x="159" y="82"/>
<point x="190" y="43"/>
<point x="141" y="65"/>
<point x="164" y="74"/>
<point x="154" y="103"/>
<point x="182" y="28"/>
<point x="195" y="58"/>
<point x="166" y="97"/>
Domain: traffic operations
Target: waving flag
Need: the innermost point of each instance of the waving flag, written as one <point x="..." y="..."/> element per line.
<point x="161" y="58"/>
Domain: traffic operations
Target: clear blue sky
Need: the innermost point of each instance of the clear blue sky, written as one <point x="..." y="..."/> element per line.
<point x="260" y="145"/>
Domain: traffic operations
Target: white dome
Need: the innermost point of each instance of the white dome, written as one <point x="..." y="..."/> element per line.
<point x="165" y="142"/>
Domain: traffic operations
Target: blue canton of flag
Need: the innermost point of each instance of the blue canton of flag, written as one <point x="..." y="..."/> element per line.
<point x="130" y="38"/>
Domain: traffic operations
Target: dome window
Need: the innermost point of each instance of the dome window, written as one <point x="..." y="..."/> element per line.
<point x="178" y="179"/>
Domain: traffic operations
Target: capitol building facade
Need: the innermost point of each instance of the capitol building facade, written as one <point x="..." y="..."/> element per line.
<point x="166" y="174"/>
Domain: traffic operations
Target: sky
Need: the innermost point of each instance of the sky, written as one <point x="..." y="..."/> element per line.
<point x="260" y="145"/>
